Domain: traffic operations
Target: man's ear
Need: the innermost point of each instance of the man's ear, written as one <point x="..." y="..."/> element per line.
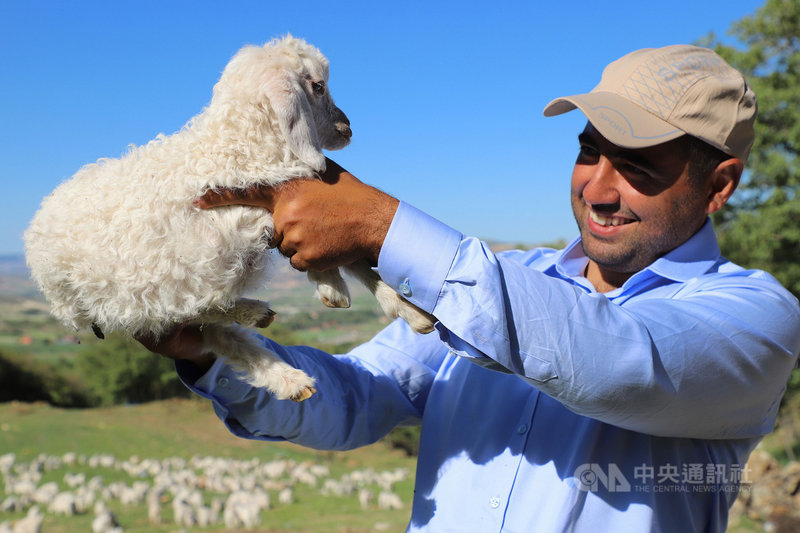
<point x="723" y="181"/>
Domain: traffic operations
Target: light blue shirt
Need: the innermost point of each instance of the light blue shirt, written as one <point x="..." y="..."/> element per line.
<point x="545" y="405"/>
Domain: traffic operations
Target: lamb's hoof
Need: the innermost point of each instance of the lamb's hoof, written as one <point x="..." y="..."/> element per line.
<point x="418" y="320"/>
<point x="266" y="320"/>
<point x="336" y="303"/>
<point x="304" y="394"/>
<point x="338" y="298"/>
<point x="291" y="384"/>
<point x="423" y="328"/>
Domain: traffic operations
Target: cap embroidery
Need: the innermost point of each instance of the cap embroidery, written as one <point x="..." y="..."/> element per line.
<point x="658" y="85"/>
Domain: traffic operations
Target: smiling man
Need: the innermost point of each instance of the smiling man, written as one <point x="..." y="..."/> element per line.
<point x="634" y="205"/>
<point x="619" y="384"/>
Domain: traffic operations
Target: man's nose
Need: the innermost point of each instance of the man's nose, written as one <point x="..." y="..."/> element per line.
<point x="602" y="186"/>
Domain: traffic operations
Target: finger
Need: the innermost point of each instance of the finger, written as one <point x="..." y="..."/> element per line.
<point x="332" y="171"/>
<point x="190" y="341"/>
<point x="296" y="263"/>
<point x="287" y="251"/>
<point x="214" y="198"/>
<point x="181" y="342"/>
<point x="148" y="340"/>
<point x="158" y="344"/>
<point x="276" y="240"/>
<point x="256" y="196"/>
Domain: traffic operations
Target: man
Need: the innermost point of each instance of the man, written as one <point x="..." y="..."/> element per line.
<point x="616" y="385"/>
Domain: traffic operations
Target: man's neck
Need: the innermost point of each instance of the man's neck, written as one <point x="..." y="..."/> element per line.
<point x="604" y="280"/>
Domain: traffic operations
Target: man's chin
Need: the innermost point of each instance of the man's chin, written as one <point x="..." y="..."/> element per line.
<point x="605" y="257"/>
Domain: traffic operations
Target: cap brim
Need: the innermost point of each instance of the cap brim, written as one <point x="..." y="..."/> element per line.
<point x="617" y="119"/>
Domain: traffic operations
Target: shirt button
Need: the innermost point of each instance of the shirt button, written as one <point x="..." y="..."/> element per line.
<point x="223" y="381"/>
<point x="522" y="429"/>
<point x="494" y="503"/>
<point x="405" y="288"/>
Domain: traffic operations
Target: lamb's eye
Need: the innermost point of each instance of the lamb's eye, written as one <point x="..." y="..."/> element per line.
<point x="318" y="87"/>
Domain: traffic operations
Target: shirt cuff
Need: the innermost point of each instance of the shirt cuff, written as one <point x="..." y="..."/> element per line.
<point x="220" y="382"/>
<point x="417" y="255"/>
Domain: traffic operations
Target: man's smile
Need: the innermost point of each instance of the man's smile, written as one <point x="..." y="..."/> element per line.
<point x="608" y="221"/>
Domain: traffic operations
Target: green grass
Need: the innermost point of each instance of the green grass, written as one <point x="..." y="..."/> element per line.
<point x="186" y="428"/>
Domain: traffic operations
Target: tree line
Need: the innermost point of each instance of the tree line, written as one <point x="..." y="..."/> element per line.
<point x="760" y="227"/>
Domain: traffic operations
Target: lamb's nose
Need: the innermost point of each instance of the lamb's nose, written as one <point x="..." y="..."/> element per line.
<point x="344" y="129"/>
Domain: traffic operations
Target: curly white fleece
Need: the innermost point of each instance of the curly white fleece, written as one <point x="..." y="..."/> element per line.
<point x="120" y="246"/>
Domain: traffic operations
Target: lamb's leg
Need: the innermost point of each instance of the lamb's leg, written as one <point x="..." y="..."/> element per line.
<point x="261" y="366"/>
<point x="392" y="303"/>
<point x="331" y="288"/>
<point x="247" y="312"/>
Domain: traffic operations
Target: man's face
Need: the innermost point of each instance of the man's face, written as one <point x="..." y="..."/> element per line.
<point x="633" y="205"/>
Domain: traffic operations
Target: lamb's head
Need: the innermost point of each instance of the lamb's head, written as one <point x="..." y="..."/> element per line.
<point x="290" y="77"/>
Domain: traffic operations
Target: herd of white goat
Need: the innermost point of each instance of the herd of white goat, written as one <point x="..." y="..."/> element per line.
<point x="199" y="492"/>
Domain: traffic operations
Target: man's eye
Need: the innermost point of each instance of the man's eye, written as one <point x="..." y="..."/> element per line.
<point x="318" y="88"/>
<point x="634" y="170"/>
<point x="588" y="151"/>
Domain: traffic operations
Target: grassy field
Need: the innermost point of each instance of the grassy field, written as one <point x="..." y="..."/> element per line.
<point x="187" y="428"/>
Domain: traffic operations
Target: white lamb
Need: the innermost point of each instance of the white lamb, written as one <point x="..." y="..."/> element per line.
<point x="119" y="246"/>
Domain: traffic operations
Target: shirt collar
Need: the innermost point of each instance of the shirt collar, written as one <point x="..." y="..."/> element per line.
<point x="691" y="259"/>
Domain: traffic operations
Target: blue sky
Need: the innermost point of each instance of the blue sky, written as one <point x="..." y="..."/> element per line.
<point x="445" y="98"/>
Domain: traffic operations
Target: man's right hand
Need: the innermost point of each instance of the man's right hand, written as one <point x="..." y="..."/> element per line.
<point x="320" y="224"/>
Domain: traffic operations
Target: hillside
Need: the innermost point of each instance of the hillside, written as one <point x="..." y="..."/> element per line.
<point x="27" y="326"/>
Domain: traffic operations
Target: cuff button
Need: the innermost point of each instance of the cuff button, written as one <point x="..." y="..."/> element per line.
<point x="405" y="288"/>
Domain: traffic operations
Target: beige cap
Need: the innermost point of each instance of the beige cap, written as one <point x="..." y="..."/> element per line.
<point x="654" y="95"/>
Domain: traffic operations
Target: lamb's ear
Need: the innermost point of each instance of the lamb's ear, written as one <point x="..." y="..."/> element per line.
<point x="288" y="100"/>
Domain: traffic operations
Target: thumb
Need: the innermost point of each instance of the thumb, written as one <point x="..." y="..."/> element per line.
<point x="256" y="196"/>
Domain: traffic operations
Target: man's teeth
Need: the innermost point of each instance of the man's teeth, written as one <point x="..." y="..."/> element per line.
<point x="606" y="221"/>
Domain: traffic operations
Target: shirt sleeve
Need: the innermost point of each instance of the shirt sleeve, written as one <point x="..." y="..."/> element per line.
<point x="710" y="361"/>
<point x="360" y="396"/>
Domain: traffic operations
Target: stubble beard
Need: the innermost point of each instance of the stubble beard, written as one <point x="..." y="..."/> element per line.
<point x="634" y="253"/>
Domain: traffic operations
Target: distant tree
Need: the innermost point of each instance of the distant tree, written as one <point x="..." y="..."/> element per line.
<point x="118" y="370"/>
<point x="26" y="380"/>
<point x="761" y="226"/>
<point x="405" y="438"/>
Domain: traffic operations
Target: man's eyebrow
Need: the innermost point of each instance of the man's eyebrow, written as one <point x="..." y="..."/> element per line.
<point x="619" y="152"/>
<point x="585" y="138"/>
